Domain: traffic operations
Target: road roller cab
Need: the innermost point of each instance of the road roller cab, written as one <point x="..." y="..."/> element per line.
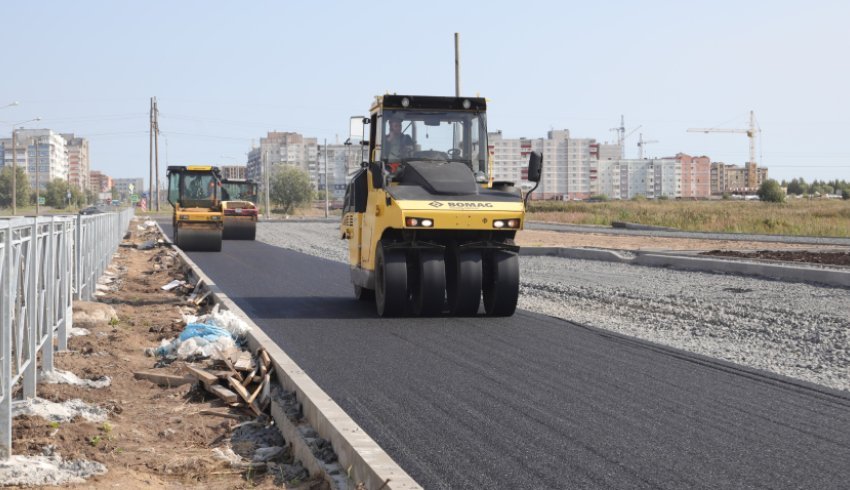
<point x="430" y="230"/>
<point x="195" y="193"/>
<point x="239" y="203"/>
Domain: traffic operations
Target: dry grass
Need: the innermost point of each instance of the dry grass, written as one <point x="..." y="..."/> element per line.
<point x="797" y="217"/>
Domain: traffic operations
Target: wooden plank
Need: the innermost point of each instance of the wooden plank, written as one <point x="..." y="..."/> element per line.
<point x="203" y="376"/>
<point x="163" y="379"/>
<point x="233" y="372"/>
<point x="238" y="388"/>
<point x="256" y="392"/>
<point x="217" y="413"/>
<point x="245" y="362"/>
<point x="265" y="359"/>
<point x="249" y="378"/>
<point x="223" y="393"/>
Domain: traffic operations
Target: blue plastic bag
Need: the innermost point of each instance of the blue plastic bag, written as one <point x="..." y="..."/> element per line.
<point x="204" y="331"/>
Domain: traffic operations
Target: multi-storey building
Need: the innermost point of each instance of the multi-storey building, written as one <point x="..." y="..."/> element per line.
<point x="283" y="148"/>
<point x="696" y="175"/>
<point x="629" y="178"/>
<point x="47" y="156"/>
<point x="568" y="162"/>
<point x="40" y="152"/>
<point x="237" y="172"/>
<point x="99" y="182"/>
<point x="736" y="179"/>
<point x="128" y="187"/>
<point x="78" y="161"/>
<point x="342" y="161"/>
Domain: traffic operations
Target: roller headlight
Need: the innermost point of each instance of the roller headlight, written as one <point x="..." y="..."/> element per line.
<point x="184" y="216"/>
<point x="405" y="102"/>
<point x="419" y="222"/>
<point x="467" y="104"/>
<point x="511" y="223"/>
<point x="498" y="223"/>
<point x="215" y="218"/>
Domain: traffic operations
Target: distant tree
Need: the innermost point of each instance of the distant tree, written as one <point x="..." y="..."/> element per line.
<point x="797" y="187"/>
<point x="56" y="193"/>
<point x="845" y="194"/>
<point x="22" y="183"/>
<point x="770" y="191"/>
<point x="291" y="188"/>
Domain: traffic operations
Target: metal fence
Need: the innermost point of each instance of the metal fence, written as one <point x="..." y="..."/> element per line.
<point x="45" y="263"/>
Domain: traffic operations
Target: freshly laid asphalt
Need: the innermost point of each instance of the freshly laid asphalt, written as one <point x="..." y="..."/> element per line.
<point x="532" y="401"/>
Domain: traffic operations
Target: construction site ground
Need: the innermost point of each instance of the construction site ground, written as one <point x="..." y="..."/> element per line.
<point x="537" y="238"/>
<point x="155" y="436"/>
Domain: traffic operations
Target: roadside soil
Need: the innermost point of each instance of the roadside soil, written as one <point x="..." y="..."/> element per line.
<point x="536" y="238"/>
<point x="155" y="436"/>
<point x="824" y="258"/>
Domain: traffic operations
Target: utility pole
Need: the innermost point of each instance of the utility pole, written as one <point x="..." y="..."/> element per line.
<point x="266" y="180"/>
<point x="156" y="149"/>
<point x="457" y="64"/>
<point x="14" y="171"/>
<point x="37" y="175"/>
<point x="327" y="181"/>
<point x="150" y="155"/>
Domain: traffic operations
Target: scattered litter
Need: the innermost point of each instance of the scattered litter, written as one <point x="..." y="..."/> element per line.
<point x="227" y="455"/>
<point x="150" y="224"/>
<point x="78" y="332"/>
<point x="266" y="454"/>
<point x="173" y="284"/>
<point x="196" y="347"/>
<point x="168" y="380"/>
<point x="92" y="313"/>
<point x="58" y="412"/>
<point x="222" y="318"/>
<point x="146" y="245"/>
<point x="57" y="376"/>
<point x="252" y="437"/>
<point x="49" y="469"/>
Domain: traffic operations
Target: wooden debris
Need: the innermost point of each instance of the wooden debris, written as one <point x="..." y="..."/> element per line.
<point x="244" y="362"/>
<point x="265" y="359"/>
<point x="233" y="371"/>
<point x="244" y="394"/>
<point x="206" y="377"/>
<point x="223" y="393"/>
<point x="249" y="378"/>
<point x="162" y="379"/>
<point x="218" y="413"/>
<point x="256" y="392"/>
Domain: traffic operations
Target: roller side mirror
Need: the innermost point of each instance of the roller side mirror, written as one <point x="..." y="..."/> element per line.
<point x="535" y="166"/>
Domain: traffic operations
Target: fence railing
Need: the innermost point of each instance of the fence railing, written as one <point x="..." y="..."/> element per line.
<point x="45" y="263"/>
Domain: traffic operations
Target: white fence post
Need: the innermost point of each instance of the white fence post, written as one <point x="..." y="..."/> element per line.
<point x="45" y="263"/>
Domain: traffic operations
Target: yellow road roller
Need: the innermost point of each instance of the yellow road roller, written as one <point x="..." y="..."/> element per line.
<point x="195" y="193"/>
<point x="430" y="231"/>
<point x="239" y="203"/>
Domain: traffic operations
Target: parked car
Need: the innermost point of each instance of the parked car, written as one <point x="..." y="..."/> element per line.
<point x="91" y="210"/>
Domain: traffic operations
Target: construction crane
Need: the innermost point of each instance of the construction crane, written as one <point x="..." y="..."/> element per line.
<point x="752" y="177"/>
<point x="622" y="135"/>
<point x="641" y="143"/>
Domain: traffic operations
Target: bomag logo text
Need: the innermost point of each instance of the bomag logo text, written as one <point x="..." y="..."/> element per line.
<point x="470" y="204"/>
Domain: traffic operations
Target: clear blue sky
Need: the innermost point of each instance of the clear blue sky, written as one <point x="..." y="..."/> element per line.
<point x="227" y="72"/>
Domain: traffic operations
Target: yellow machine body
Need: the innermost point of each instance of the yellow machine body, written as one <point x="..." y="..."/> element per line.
<point x="240" y="209"/>
<point x="430" y="231"/>
<point x="198" y="219"/>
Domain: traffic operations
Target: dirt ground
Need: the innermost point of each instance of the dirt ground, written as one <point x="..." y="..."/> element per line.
<point x="155" y="436"/>
<point x="535" y="238"/>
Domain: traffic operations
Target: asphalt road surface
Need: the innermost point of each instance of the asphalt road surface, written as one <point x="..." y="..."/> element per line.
<point x="532" y="401"/>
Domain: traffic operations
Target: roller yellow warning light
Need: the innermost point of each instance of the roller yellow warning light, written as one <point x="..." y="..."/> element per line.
<point x="430" y="230"/>
<point x="239" y="202"/>
<point x="195" y="193"/>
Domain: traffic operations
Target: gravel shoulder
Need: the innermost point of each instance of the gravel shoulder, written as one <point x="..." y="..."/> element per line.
<point x="796" y="330"/>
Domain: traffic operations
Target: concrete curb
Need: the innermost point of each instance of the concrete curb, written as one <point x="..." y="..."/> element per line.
<point x="361" y="459"/>
<point x="788" y="273"/>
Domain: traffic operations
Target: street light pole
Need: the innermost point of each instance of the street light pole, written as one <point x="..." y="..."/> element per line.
<point x="37" y="174"/>
<point x="327" y="181"/>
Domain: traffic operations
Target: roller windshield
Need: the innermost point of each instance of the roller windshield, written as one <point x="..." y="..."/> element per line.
<point x="199" y="190"/>
<point x="438" y="136"/>
<point x="239" y="191"/>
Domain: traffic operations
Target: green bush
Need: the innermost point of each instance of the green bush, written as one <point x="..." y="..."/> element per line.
<point x="770" y="191"/>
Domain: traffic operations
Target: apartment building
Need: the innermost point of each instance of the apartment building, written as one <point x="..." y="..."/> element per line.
<point x="696" y="176"/>
<point x="46" y="156"/>
<point x="342" y="162"/>
<point x="726" y="178"/>
<point x="99" y="182"/>
<point x="236" y="172"/>
<point x="78" y="161"/>
<point x="283" y="148"/>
